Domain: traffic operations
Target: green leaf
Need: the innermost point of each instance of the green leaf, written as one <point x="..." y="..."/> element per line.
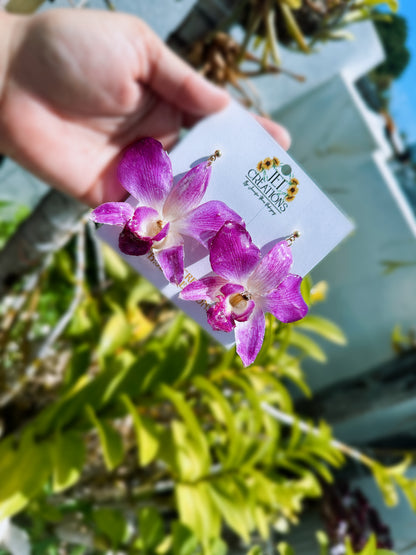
<point x="285" y="549"/>
<point x="305" y="289"/>
<point x="151" y="532"/>
<point x="232" y="500"/>
<point x="115" y="266"/>
<point x="184" y="540"/>
<point x="68" y="456"/>
<point x="111" y="443"/>
<point x="323" y="327"/>
<point x="112" y="524"/>
<point x="187" y="414"/>
<point x="197" y="511"/>
<point x="23" y="473"/>
<point x="23" y="6"/>
<point x="307" y="345"/>
<point x="256" y="550"/>
<point x="218" y="547"/>
<point x="180" y="451"/>
<point x="323" y="542"/>
<point x="147" y="434"/>
<point x="116" y="333"/>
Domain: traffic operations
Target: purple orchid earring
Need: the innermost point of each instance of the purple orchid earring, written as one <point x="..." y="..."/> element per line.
<point x="246" y="287"/>
<point x="166" y="212"/>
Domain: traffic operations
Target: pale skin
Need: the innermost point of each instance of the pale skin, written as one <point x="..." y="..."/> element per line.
<point x="78" y="86"/>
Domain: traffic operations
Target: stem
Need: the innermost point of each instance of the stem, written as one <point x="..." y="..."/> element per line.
<point x="290" y="420"/>
<point x="62" y="323"/>
<point x="272" y="36"/>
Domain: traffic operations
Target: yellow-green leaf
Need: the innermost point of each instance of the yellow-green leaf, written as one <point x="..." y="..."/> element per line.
<point x="68" y="455"/>
<point x="116" y="333"/>
<point x="324" y="327"/>
<point x="111" y="443"/>
<point x="147" y="434"/>
<point x="307" y="345"/>
<point x="23" y="6"/>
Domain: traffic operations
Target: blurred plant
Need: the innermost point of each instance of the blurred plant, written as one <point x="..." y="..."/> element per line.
<point x="298" y="24"/>
<point x="403" y="344"/>
<point x="192" y="455"/>
<point x="349" y="514"/>
<point x="393" y="33"/>
<point x="370" y="548"/>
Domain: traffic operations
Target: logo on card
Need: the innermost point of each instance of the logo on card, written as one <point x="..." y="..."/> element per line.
<point x="273" y="183"/>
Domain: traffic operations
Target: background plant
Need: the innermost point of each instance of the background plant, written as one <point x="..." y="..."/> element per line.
<point x="135" y="431"/>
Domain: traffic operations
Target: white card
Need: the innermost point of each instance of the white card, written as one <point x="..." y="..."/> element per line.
<point x="260" y="196"/>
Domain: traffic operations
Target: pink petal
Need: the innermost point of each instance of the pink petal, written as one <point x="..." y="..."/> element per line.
<point x="145" y="171"/>
<point x="286" y="302"/>
<point x="219" y="316"/>
<point x="162" y="233"/>
<point x="206" y="220"/>
<point x="142" y="219"/>
<point x="271" y="270"/>
<point x="188" y="192"/>
<point x="112" y="213"/>
<point x="171" y="260"/>
<point x="131" y="244"/>
<point x="249" y="336"/>
<point x="231" y="288"/>
<point x="205" y="289"/>
<point x="232" y="253"/>
<point x="245" y="315"/>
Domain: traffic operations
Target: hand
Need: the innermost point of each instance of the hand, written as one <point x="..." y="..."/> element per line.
<point x="79" y="86"/>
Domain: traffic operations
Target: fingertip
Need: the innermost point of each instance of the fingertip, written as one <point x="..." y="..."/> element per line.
<point x="277" y="131"/>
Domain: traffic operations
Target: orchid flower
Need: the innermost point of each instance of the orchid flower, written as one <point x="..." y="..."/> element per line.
<point x="166" y="212"/>
<point x="247" y="286"/>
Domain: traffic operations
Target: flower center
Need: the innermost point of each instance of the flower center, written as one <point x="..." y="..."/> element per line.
<point x="154" y="227"/>
<point x="238" y="300"/>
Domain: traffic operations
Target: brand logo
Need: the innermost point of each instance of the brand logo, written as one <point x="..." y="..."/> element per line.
<point x="273" y="184"/>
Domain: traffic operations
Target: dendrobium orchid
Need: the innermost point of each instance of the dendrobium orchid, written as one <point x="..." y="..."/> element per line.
<point x="247" y="286"/>
<point x="166" y="212"/>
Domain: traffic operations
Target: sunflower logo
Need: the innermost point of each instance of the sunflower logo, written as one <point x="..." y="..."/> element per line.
<point x="268" y="163"/>
<point x="292" y="190"/>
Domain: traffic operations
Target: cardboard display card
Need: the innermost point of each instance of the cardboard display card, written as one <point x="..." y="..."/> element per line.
<point x="257" y="179"/>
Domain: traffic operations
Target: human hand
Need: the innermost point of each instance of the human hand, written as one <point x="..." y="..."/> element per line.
<point x="80" y="86"/>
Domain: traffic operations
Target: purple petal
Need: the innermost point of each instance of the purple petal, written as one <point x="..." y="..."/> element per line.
<point x="162" y="233"/>
<point x="232" y="253"/>
<point x="112" y="213"/>
<point x="130" y="244"/>
<point x="205" y="289"/>
<point x="271" y="270"/>
<point x="145" y="171"/>
<point x="231" y="288"/>
<point x="188" y="192"/>
<point x="206" y="220"/>
<point x="219" y="316"/>
<point x="171" y="261"/>
<point x="249" y="336"/>
<point x="144" y="218"/>
<point x="286" y="302"/>
<point x="245" y="314"/>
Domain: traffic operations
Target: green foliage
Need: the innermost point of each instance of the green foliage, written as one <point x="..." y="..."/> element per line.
<point x="369" y="549"/>
<point x="393" y="35"/>
<point x="160" y="407"/>
<point x="11" y="215"/>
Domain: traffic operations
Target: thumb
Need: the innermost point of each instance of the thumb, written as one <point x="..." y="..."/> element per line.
<point x="178" y="83"/>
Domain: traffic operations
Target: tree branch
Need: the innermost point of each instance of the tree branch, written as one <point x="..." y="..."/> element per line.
<point x="46" y="230"/>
